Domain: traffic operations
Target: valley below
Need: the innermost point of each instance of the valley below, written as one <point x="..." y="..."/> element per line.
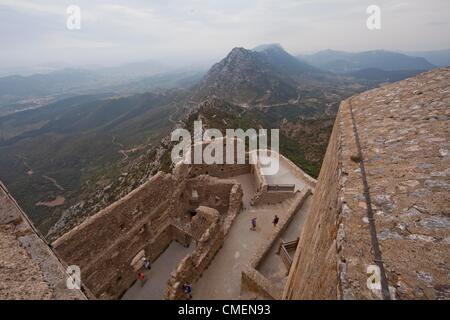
<point x="66" y="158"/>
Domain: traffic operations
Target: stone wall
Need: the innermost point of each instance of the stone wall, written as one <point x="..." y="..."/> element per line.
<point x="212" y="192"/>
<point x="212" y="239"/>
<point x="254" y="280"/>
<point x="220" y="170"/>
<point x="29" y="269"/>
<point x="381" y="201"/>
<point x="266" y="194"/>
<point x="109" y="246"/>
<point x="260" y="180"/>
<point x="193" y="265"/>
<point x="271" y="197"/>
<point x="313" y="273"/>
<point x="105" y="244"/>
<point x="310" y="181"/>
<point x="204" y="218"/>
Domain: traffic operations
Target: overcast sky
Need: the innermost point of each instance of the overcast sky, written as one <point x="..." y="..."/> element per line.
<point x="34" y="32"/>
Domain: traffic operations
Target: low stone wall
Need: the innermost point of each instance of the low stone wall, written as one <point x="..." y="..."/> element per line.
<point x="193" y="265"/>
<point x="300" y="198"/>
<point x="310" y="181"/>
<point x="281" y="187"/>
<point x="219" y="170"/>
<point x="180" y="236"/>
<point x="212" y="192"/>
<point x="105" y="244"/>
<point x="252" y="280"/>
<point x="260" y="180"/>
<point x="272" y="197"/>
<point x="109" y="246"/>
<point x="251" y="277"/>
<point x="204" y="218"/>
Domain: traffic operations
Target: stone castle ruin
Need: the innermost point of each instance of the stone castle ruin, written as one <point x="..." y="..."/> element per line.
<point x="375" y="225"/>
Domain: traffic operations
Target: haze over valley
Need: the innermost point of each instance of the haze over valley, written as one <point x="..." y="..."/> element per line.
<point x="76" y="140"/>
<point x="317" y="134"/>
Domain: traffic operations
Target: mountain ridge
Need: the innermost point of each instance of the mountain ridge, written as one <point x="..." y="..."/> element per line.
<point x="344" y="62"/>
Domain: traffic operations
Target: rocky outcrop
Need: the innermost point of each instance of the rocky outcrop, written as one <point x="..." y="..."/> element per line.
<point x="246" y="76"/>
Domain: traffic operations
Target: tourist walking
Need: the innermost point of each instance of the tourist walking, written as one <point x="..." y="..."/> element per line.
<point x="253" y="227"/>
<point x="275" y="220"/>
<point x="141" y="278"/>
<point x="187" y="289"/>
<point x="147" y="264"/>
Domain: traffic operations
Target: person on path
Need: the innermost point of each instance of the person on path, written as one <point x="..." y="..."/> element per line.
<point x="275" y="220"/>
<point x="141" y="278"/>
<point x="187" y="289"/>
<point x="147" y="264"/>
<point x="253" y="227"/>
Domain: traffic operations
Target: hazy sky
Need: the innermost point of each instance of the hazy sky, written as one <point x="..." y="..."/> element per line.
<point x="34" y="31"/>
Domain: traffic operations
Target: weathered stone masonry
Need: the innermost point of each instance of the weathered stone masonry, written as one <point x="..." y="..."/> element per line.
<point x="404" y="131"/>
<point x="28" y="267"/>
<point x="109" y="246"/>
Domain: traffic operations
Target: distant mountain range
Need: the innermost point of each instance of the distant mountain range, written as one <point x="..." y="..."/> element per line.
<point x="378" y="75"/>
<point x="22" y="92"/>
<point x="266" y="75"/>
<point x="101" y="145"/>
<point x="440" y="58"/>
<point x="345" y="62"/>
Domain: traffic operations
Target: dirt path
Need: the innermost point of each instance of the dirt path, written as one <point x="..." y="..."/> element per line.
<point x="53" y="181"/>
<point x="30" y="171"/>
